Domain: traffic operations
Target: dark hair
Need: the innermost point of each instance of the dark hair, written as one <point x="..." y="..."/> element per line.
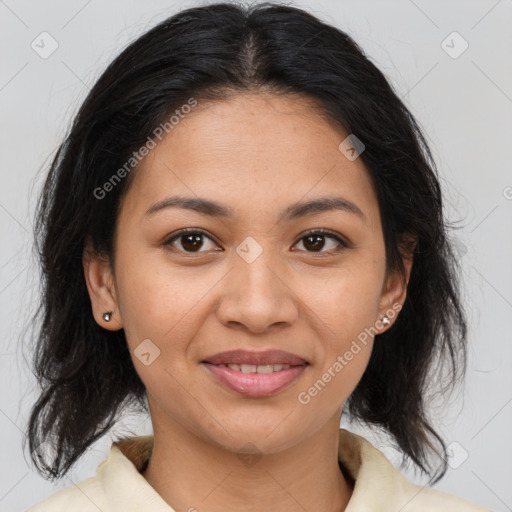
<point x="210" y="52"/>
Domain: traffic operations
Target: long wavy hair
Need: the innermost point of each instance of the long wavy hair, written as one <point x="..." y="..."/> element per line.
<point x="85" y="372"/>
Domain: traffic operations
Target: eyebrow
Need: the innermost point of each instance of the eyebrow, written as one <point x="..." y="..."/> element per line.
<point x="292" y="212"/>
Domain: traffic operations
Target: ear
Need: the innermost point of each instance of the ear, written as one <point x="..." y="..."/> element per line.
<point x="394" y="290"/>
<point x="101" y="286"/>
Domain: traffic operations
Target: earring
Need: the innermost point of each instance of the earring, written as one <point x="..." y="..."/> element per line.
<point x="385" y="320"/>
<point x="107" y="316"/>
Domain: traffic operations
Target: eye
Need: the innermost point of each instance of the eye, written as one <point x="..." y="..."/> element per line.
<point x="314" y="241"/>
<point x="190" y="240"/>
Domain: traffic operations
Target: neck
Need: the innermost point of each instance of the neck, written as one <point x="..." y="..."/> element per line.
<point x="191" y="474"/>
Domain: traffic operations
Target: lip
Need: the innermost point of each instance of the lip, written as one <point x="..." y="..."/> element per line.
<point x="255" y="384"/>
<point x="257" y="358"/>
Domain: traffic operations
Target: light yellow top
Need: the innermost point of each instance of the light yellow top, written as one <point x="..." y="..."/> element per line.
<point x="118" y="486"/>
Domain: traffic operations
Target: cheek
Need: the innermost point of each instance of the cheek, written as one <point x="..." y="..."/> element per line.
<point x="346" y="349"/>
<point x="164" y="304"/>
<point x="347" y="305"/>
<point x="347" y="301"/>
<point x="160" y="313"/>
<point x="151" y="300"/>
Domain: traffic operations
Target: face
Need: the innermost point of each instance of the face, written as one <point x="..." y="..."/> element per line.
<point x="265" y="275"/>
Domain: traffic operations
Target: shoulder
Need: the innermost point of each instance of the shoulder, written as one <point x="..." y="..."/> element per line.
<point x="380" y="487"/>
<point x="84" y="496"/>
<point x="117" y="483"/>
<point x="423" y="499"/>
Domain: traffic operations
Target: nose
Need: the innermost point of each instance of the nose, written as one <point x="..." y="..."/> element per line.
<point x="258" y="296"/>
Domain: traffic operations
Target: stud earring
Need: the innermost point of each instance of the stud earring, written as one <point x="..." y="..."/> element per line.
<point x="385" y="320"/>
<point x="107" y="316"/>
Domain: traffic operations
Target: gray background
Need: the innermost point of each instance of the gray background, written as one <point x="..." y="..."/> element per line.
<point x="464" y="104"/>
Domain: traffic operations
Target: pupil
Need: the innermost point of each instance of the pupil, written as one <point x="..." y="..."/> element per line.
<point x="193" y="240"/>
<point x="316" y="240"/>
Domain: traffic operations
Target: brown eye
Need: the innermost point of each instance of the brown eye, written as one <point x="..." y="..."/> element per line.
<point x="316" y="241"/>
<point x="188" y="240"/>
<point x="191" y="242"/>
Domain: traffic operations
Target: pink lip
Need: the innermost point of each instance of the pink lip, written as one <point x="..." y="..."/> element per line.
<point x="255" y="384"/>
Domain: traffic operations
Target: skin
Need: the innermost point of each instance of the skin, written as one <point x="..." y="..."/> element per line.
<point x="257" y="154"/>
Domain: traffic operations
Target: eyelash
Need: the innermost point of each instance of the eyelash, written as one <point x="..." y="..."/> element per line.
<point x="198" y="231"/>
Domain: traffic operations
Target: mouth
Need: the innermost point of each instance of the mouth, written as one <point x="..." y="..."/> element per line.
<point x="255" y="374"/>
<point x="253" y="368"/>
<point x="247" y="357"/>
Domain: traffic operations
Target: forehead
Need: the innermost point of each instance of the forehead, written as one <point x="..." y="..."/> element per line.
<point x="252" y="151"/>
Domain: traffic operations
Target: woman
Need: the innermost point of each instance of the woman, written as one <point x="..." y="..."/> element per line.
<point x="243" y="233"/>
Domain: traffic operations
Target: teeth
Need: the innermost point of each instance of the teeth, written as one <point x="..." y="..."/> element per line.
<point x="262" y="368"/>
<point x="248" y="368"/>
